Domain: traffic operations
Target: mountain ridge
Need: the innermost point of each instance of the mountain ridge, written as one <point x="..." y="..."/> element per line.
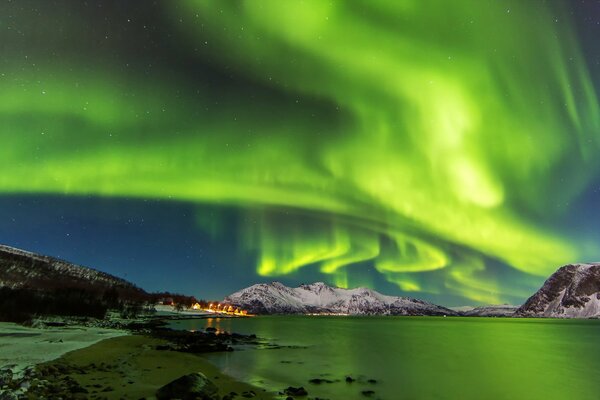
<point x="573" y="291"/>
<point x="320" y="298"/>
<point x="21" y="269"/>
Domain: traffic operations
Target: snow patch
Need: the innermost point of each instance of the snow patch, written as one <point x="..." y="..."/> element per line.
<point x="276" y="298"/>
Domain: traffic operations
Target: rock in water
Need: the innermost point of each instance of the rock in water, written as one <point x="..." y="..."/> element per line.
<point x="571" y="292"/>
<point x="189" y="387"/>
<point x="296" y="391"/>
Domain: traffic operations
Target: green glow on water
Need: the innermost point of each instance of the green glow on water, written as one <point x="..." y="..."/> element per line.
<point x="421" y="357"/>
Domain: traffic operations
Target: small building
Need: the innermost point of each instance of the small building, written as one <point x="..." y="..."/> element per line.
<point x="167" y="301"/>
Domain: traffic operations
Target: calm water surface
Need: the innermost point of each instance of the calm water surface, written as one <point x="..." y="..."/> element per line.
<point x="419" y="357"/>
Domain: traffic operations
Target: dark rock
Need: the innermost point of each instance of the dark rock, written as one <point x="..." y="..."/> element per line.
<point x="249" y="394"/>
<point x="8" y="395"/>
<point x="189" y="387"/>
<point x="368" y="393"/>
<point x="56" y="324"/>
<point x="108" y="389"/>
<point x="63" y="368"/>
<point x="77" y="389"/>
<point x="350" y="379"/>
<point x="6" y="376"/>
<point x="372" y="381"/>
<point x="292" y="391"/>
<point x="318" y="381"/>
<point x="211" y="329"/>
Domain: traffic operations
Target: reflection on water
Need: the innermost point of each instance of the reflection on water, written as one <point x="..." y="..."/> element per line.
<point x="419" y="357"/>
<point x="210" y="324"/>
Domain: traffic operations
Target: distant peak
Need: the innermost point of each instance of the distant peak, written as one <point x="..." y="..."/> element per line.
<point x="320" y="298"/>
<point x="315" y="286"/>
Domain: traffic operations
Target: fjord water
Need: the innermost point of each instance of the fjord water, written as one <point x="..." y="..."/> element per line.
<point x="418" y="357"/>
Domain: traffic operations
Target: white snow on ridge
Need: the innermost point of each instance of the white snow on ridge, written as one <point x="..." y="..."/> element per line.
<point x="573" y="291"/>
<point x="555" y="309"/>
<point x="276" y="298"/>
<point x="17" y="273"/>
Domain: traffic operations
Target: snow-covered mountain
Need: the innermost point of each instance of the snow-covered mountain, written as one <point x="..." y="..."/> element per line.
<point x="503" y="310"/>
<point x="571" y="292"/>
<point x="24" y="269"/>
<point x="276" y="298"/>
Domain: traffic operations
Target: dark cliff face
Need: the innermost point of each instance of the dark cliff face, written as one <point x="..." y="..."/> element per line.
<point x="568" y="290"/>
<point x="24" y="270"/>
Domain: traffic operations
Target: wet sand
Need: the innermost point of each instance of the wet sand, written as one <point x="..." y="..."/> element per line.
<point x="130" y="367"/>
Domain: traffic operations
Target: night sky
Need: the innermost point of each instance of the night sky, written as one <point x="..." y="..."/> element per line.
<point x="444" y="150"/>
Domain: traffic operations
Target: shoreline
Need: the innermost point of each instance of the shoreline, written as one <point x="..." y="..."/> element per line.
<point x="23" y="347"/>
<point x="86" y="362"/>
<point x="131" y="360"/>
<point x="131" y="367"/>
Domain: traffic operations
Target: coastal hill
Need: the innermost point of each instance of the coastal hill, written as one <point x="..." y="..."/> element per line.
<point x="32" y="284"/>
<point x="319" y="298"/>
<point x="36" y="284"/>
<point x="20" y="269"/>
<point x="571" y="292"/>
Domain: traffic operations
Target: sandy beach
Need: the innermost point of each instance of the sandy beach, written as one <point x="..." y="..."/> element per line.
<point x="76" y="362"/>
<point x="130" y="367"/>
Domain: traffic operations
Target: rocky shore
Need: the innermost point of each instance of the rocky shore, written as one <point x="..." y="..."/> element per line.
<point x="143" y="359"/>
<point x="140" y="363"/>
<point x="127" y="367"/>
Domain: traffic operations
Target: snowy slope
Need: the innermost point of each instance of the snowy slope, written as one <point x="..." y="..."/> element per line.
<point x="503" y="310"/>
<point x="571" y="292"/>
<point x="276" y="298"/>
<point x="23" y="269"/>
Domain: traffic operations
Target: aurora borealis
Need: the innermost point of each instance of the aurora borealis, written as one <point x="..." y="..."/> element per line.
<point x="436" y="149"/>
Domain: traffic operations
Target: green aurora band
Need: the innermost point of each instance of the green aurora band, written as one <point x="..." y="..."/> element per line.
<point x="425" y="140"/>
